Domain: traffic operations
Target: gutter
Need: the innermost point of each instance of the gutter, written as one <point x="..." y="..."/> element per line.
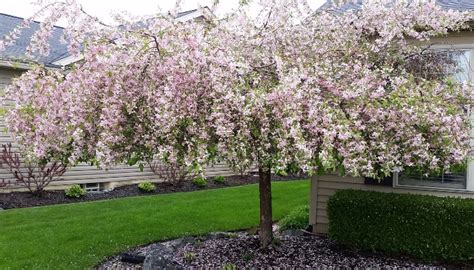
<point x="15" y="65"/>
<point x="23" y="65"/>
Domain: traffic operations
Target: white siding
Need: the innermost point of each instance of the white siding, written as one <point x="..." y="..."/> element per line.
<point x="6" y="75"/>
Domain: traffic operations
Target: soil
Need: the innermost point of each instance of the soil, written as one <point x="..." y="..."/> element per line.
<point x="26" y="199"/>
<point x="242" y="250"/>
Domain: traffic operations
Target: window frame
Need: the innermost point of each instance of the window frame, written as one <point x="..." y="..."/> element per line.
<point x="469" y="187"/>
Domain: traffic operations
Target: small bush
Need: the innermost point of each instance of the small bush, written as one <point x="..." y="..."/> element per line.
<point x="229" y="266"/>
<point x="75" y="191"/>
<point x="189" y="257"/>
<point x="219" y="179"/>
<point x="298" y="219"/>
<point x="200" y="182"/>
<point x="173" y="173"/>
<point x="426" y="227"/>
<point x="34" y="176"/>
<point x="146" y="187"/>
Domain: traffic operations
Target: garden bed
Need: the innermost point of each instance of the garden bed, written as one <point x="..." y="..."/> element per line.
<point x="25" y="199"/>
<point x="242" y="250"/>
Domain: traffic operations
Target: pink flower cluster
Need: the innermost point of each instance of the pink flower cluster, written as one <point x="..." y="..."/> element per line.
<point x="285" y="89"/>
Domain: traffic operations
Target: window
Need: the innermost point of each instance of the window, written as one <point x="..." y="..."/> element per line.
<point x="457" y="178"/>
<point x="92" y="187"/>
<point x="462" y="59"/>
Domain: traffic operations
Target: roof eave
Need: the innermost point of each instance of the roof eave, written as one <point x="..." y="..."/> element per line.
<point x="12" y="64"/>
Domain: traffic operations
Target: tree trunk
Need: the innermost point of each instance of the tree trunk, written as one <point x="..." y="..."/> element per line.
<point x="266" y="236"/>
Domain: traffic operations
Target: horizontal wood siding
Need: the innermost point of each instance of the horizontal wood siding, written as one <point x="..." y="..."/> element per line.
<point x="6" y="74"/>
<point x="323" y="187"/>
<point x="83" y="173"/>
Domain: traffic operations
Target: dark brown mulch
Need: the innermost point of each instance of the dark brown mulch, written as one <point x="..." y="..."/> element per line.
<point x="299" y="252"/>
<point x="241" y="250"/>
<point x="304" y="251"/>
<point x="25" y="199"/>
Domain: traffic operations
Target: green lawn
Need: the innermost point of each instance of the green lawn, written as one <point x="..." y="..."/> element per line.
<point x="78" y="236"/>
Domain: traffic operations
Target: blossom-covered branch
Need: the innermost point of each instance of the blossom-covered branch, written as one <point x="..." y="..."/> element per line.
<point x="271" y="89"/>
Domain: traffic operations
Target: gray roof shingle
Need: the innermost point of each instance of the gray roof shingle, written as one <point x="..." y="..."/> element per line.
<point x="17" y="51"/>
<point x="461" y="5"/>
<point x="58" y="50"/>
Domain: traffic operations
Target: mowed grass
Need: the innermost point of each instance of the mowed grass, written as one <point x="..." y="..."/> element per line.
<point x="78" y="236"/>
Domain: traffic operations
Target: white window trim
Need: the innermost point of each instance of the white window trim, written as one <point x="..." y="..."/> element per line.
<point x="470" y="166"/>
<point x="470" y="174"/>
<point x="468" y="189"/>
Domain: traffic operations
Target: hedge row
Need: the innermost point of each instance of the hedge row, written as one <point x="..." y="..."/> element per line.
<point x="426" y="227"/>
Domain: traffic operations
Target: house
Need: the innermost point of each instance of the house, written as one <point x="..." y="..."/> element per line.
<point x="13" y="63"/>
<point x="459" y="184"/>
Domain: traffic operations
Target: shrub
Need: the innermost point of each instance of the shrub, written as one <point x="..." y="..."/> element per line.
<point x="75" y="191"/>
<point x="426" y="227"/>
<point x="173" y="173"/>
<point x="34" y="176"/>
<point x="200" y="182"/>
<point x="298" y="219"/>
<point x="219" y="179"/>
<point x="189" y="257"/>
<point x="146" y="187"/>
<point x="229" y="266"/>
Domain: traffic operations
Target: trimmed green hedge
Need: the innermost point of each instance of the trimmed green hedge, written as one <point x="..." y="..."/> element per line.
<point x="427" y="227"/>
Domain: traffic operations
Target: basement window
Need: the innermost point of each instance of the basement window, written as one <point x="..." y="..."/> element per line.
<point x="92" y="187"/>
<point x="462" y="58"/>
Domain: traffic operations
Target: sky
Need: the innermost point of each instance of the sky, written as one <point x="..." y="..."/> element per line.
<point x="103" y="8"/>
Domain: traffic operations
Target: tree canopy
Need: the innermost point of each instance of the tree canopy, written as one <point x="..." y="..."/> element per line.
<point x="287" y="89"/>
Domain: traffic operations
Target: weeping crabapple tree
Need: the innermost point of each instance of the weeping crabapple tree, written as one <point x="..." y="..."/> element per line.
<point x="287" y="89"/>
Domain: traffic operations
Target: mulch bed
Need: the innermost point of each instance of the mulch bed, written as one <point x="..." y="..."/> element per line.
<point x="25" y="199"/>
<point x="291" y="252"/>
<point x="242" y="251"/>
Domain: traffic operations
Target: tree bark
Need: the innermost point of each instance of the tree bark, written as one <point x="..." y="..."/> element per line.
<point x="265" y="189"/>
